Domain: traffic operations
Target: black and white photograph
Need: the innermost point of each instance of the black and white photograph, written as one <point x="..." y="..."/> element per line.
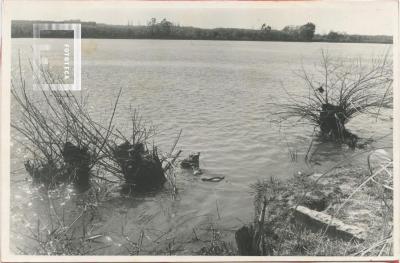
<point x="152" y="130"/>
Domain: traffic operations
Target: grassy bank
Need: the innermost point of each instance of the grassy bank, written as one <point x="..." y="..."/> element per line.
<point x="356" y="199"/>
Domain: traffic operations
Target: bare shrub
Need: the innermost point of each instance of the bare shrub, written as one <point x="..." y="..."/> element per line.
<point x="336" y="91"/>
<point x="61" y="133"/>
<point x="66" y="143"/>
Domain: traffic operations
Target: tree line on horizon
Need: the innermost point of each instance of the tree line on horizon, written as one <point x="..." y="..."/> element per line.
<point x="165" y="29"/>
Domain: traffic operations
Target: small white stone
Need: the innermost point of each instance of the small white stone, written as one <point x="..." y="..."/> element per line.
<point x="197" y="172"/>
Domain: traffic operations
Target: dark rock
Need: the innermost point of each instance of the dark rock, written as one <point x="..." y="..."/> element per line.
<point x="192" y="161"/>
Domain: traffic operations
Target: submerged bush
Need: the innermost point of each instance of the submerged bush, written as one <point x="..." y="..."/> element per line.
<point x="60" y="131"/>
<point x="78" y="162"/>
<point x="66" y="143"/>
<point x="336" y="91"/>
<point x="48" y="173"/>
<point x="142" y="169"/>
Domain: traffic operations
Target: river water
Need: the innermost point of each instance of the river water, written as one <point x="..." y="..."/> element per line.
<point x="219" y="94"/>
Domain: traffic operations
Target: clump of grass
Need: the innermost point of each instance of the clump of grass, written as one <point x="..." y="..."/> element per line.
<point x="216" y="246"/>
<point x="259" y="238"/>
<point x="336" y="91"/>
<point x="374" y="191"/>
<point x="58" y="233"/>
<point x="303" y="242"/>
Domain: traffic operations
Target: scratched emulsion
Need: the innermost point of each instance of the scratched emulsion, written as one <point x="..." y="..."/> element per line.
<point x="218" y="93"/>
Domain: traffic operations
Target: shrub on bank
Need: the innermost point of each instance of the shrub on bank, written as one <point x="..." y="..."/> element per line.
<point x="336" y="91"/>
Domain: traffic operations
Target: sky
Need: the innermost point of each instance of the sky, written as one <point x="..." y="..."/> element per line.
<point x="369" y="17"/>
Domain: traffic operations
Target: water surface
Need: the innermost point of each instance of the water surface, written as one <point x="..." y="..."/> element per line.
<point x="219" y="94"/>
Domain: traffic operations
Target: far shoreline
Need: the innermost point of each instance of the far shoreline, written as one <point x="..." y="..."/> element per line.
<point x="166" y="30"/>
<point x="216" y="40"/>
